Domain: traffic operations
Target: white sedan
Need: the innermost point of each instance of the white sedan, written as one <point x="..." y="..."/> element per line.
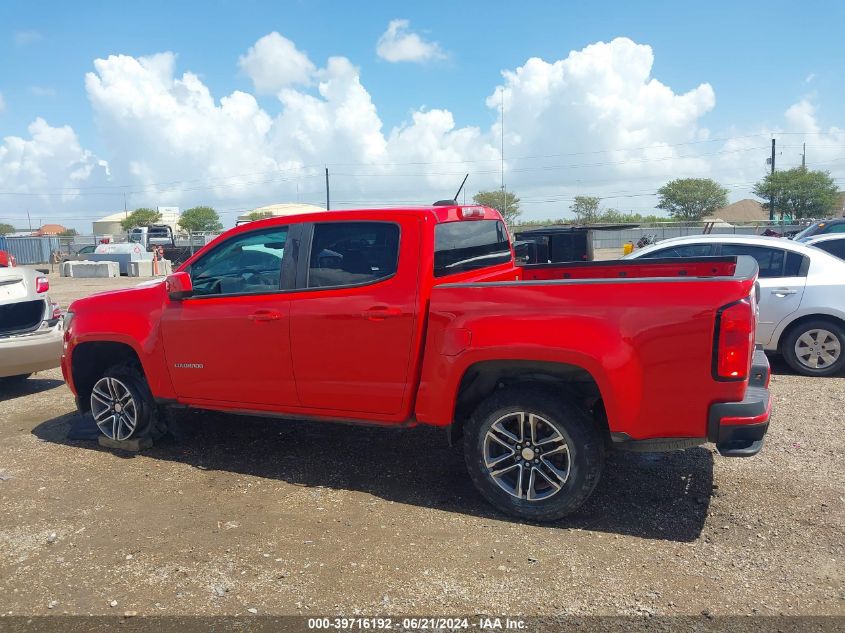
<point x="30" y="324"/>
<point x="802" y="295"/>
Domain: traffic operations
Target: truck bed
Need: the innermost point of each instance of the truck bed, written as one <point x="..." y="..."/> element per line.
<point x="637" y="327"/>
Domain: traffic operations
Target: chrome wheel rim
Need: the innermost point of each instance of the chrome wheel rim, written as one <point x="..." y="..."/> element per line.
<point x="818" y="348"/>
<point x="526" y="456"/>
<point x="114" y="409"/>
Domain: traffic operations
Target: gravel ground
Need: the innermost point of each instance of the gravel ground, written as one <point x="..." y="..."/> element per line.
<point x="240" y="514"/>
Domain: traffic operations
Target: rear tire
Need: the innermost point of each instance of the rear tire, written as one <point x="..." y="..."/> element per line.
<point x="542" y="475"/>
<point x="122" y="405"/>
<point x="815" y="348"/>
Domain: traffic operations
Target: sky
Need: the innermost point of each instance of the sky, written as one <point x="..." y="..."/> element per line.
<point x="242" y="104"/>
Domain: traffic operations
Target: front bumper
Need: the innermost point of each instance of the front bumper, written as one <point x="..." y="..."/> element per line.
<point x="738" y="428"/>
<point x="31" y="352"/>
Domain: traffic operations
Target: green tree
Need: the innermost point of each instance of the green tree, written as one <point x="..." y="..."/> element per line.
<point x="68" y="233"/>
<point x="252" y="216"/>
<point x="800" y="192"/>
<point x="505" y="202"/>
<point x="140" y="217"/>
<point x="586" y="209"/>
<point x="690" y="199"/>
<point x="5" y="229"/>
<point x="200" y="220"/>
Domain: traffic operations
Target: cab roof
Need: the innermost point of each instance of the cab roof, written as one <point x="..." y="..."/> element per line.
<point x="438" y="213"/>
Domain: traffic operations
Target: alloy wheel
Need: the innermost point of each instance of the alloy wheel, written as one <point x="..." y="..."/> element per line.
<point x="817" y="348"/>
<point x="526" y="456"/>
<point x="114" y="408"/>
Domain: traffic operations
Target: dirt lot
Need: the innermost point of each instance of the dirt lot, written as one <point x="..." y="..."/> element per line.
<point x="244" y="513"/>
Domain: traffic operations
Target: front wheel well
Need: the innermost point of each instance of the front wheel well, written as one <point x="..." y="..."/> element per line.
<point x="806" y="319"/>
<point x="573" y="383"/>
<point x="91" y="360"/>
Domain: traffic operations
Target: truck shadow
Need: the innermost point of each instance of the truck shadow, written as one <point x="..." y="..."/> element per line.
<point x="650" y="495"/>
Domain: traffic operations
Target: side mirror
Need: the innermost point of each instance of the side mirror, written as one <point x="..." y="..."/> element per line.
<point x="179" y="286"/>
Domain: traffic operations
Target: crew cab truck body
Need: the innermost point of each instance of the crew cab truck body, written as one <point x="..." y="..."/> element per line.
<point x="420" y="316"/>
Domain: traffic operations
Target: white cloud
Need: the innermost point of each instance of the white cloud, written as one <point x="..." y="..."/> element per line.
<point x="801" y="117"/>
<point x="23" y="38"/>
<point x="603" y="103"/>
<point x="50" y="159"/>
<point x="809" y="77"/>
<point x="274" y="62"/>
<point x="399" y="44"/>
<point x="594" y="122"/>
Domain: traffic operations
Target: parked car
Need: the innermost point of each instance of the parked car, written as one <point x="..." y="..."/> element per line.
<point x="833" y="243"/>
<point x="398" y="317"/>
<point x="80" y="253"/>
<point x="802" y="299"/>
<point x="30" y="324"/>
<point x="822" y="227"/>
<point x="7" y="260"/>
<point x="160" y="237"/>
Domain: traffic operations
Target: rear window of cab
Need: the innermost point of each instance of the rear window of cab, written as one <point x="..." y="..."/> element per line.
<point x="469" y="245"/>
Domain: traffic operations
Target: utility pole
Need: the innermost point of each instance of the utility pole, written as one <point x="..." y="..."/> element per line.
<point x="328" y="206"/>
<point x="29" y="220"/>
<point x="502" y="155"/>
<point x="772" y="197"/>
<point x="804" y="156"/>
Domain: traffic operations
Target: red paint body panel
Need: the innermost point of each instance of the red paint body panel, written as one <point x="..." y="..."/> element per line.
<point x="239" y="359"/>
<point x="395" y="351"/>
<point x="650" y="357"/>
<point x="353" y="347"/>
<point x="131" y="317"/>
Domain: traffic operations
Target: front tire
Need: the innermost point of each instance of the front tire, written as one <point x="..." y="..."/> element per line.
<point x="815" y="348"/>
<point x="531" y="454"/>
<point x="122" y="405"/>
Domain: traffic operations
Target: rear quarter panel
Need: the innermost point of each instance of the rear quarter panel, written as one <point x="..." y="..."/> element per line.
<point x="647" y="343"/>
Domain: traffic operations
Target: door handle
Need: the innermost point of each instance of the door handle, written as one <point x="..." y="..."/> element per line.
<point x="379" y="313"/>
<point x="265" y="315"/>
<point x="782" y="292"/>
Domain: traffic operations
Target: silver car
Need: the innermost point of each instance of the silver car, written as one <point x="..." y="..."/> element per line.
<point x="802" y="298"/>
<point x="833" y="243"/>
<point x="30" y="324"/>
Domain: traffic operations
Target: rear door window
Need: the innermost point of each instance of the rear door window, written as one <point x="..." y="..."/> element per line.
<point x="352" y="253"/>
<point x="469" y="245"/>
<point x="682" y="250"/>
<point x="770" y="260"/>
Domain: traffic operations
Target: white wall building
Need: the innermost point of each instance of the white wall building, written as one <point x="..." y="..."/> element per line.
<point x="110" y="225"/>
<point x="282" y="209"/>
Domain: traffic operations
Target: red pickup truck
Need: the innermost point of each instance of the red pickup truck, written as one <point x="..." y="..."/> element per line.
<point x="421" y="316"/>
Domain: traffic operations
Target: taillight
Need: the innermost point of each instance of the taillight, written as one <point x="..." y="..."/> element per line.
<point x="734" y="343"/>
<point x="42" y="284"/>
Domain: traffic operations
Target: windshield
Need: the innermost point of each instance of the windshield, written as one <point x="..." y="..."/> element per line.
<point x="810" y="230"/>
